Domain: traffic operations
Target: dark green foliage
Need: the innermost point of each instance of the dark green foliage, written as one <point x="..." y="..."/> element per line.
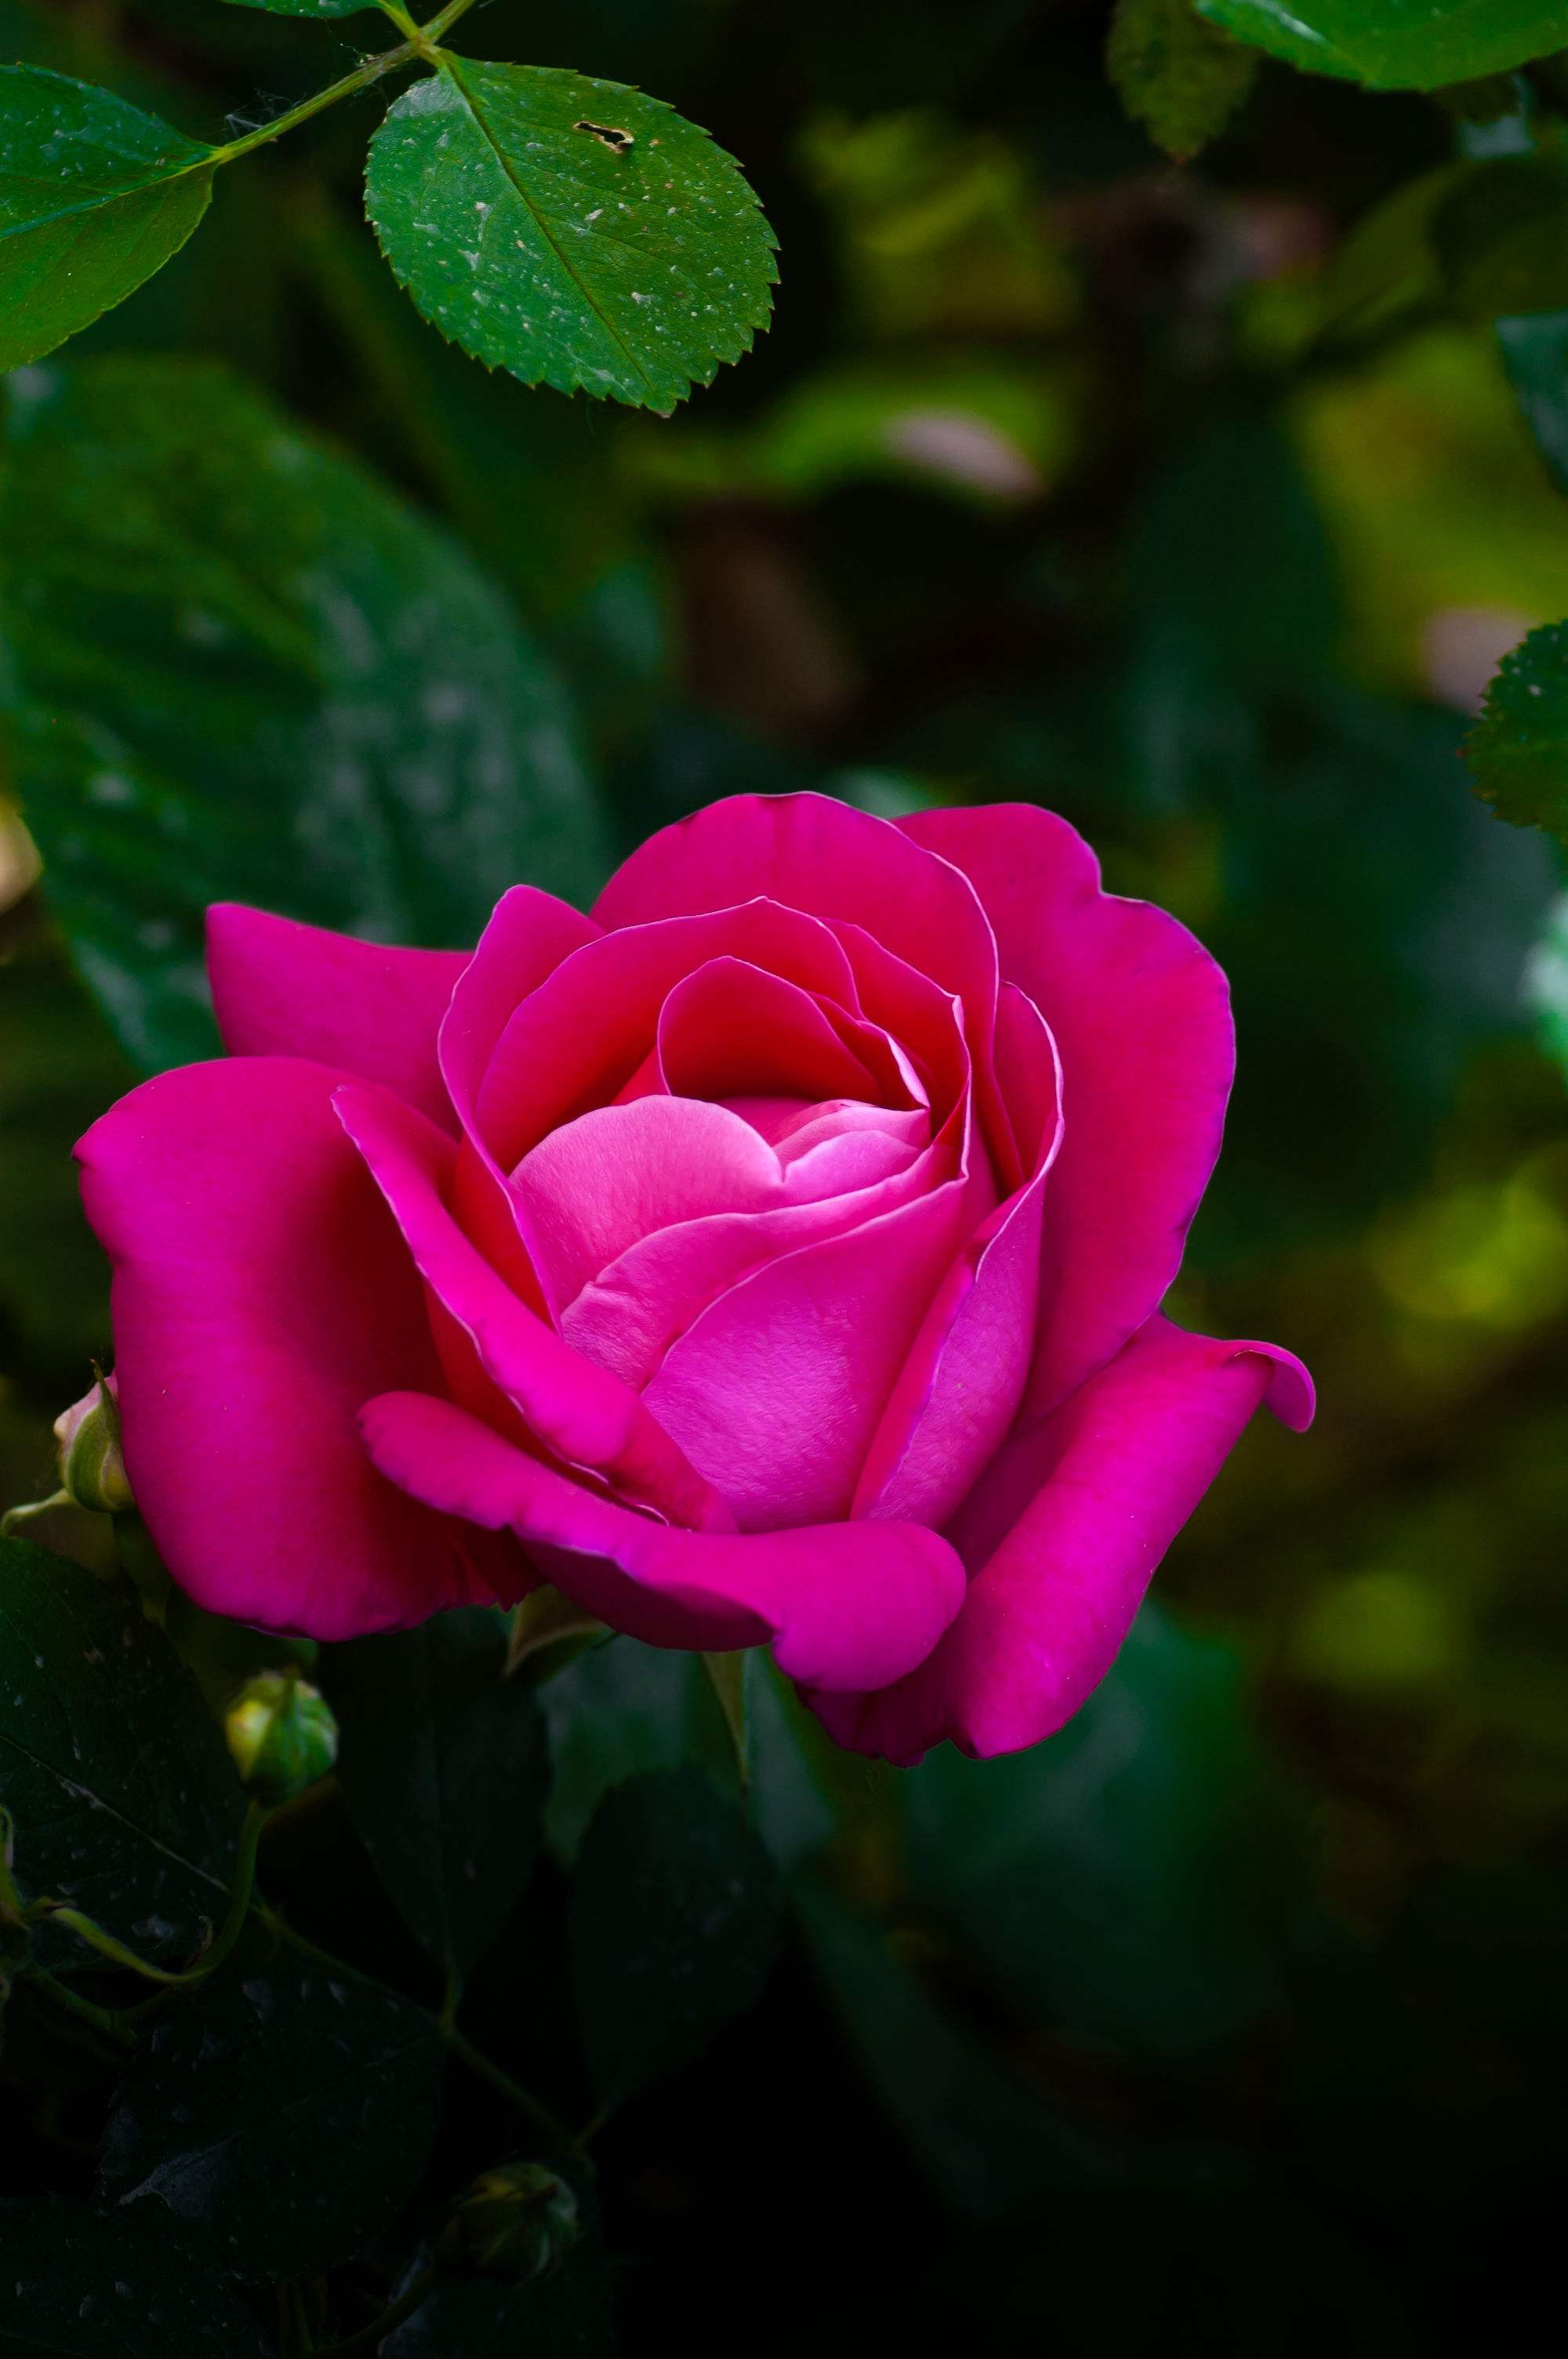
<point x="1396" y="44"/>
<point x="122" y="1797"/>
<point x="1194" y="504"/>
<point x="1178" y="76"/>
<point x="1517" y="752"/>
<point x="306" y="7"/>
<point x="1152" y="1828"/>
<point x="674" y="1926"/>
<point x="243" y="671"/>
<point x="284" y="2114"/>
<point x="1498" y="236"/>
<point x="88" y="2281"/>
<point x="1535" y="354"/>
<point x="568" y="2313"/>
<point x="444" y="1770"/>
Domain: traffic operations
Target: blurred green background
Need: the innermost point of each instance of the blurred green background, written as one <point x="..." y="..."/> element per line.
<point x="1234" y="2017"/>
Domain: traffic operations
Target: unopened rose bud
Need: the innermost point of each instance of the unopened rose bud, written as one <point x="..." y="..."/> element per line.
<point x="512" y="2222"/>
<point x="282" y="1734"/>
<point x="91" y="1466"/>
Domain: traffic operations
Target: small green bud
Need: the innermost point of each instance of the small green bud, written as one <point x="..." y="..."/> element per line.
<point x="512" y="2222"/>
<point x="282" y="1734"/>
<point x="91" y="1465"/>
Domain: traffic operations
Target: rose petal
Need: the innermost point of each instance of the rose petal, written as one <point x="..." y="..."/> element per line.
<point x="575" y="1039"/>
<point x="730" y="1027"/>
<point x="842" y="1605"/>
<point x="1062" y="1534"/>
<point x="528" y="935"/>
<point x="959" y="1390"/>
<point x="261" y="1295"/>
<point x="810" y="852"/>
<point x="775" y="1391"/>
<point x="282" y="989"/>
<point x="1140" y="1014"/>
<point x="596" y="1186"/>
<point x="633" y="1311"/>
<point x="579" y="1411"/>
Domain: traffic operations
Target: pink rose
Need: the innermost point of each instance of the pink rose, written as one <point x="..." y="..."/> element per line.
<point x="774" y="1256"/>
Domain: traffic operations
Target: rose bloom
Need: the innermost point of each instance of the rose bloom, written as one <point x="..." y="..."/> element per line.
<point x="774" y="1256"/>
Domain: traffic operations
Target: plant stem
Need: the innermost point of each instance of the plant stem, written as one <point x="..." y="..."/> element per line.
<point x="102" y="2019"/>
<point x="419" y="41"/>
<point x="554" y="2131"/>
<point x="425" y="37"/>
<point x="370" y="70"/>
<point x="297" y="2321"/>
<point x="188" y="1977"/>
<point x="440" y="26"/>
<point x="232" y="1926"/>
<point x="410" y="31"/>
<point x="548" y="2126"/>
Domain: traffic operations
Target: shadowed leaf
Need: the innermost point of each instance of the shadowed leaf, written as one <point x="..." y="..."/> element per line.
<point x="125" y="1800"/>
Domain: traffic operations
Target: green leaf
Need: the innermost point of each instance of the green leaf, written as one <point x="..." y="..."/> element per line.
<point x="1396" y="44"/>
<point x="243" y="669"/>
<point x="94" y="197"/>
<point x="1500" y="237"/>
<point x="1132" y="1875"/>
<point x="443" y="1767"/>
<point x="286" y="2115"/>
<point x="624" y="1708"/>
<point x="674" y="1925"/>
<point x="573" y="230"/>
<point x="83" y="2282"/>
<point x="124" y="1800"/>
<point x="1535" y="354"/>
<point x="1518" y="751"/>
<point x="1180" y="78"/>
<point x="568" y="2313"/>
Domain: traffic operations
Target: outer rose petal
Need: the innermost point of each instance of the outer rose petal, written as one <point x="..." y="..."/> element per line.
<point x="579" y="1411"/>
<point x="261" y="1294"/>
<point x="528" y="935"/>
<point x="1141" y="1017"/>
<point x="844" y="1605"/>
<point x="282" y="989"/>
<point x="1066" y="1528"/>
